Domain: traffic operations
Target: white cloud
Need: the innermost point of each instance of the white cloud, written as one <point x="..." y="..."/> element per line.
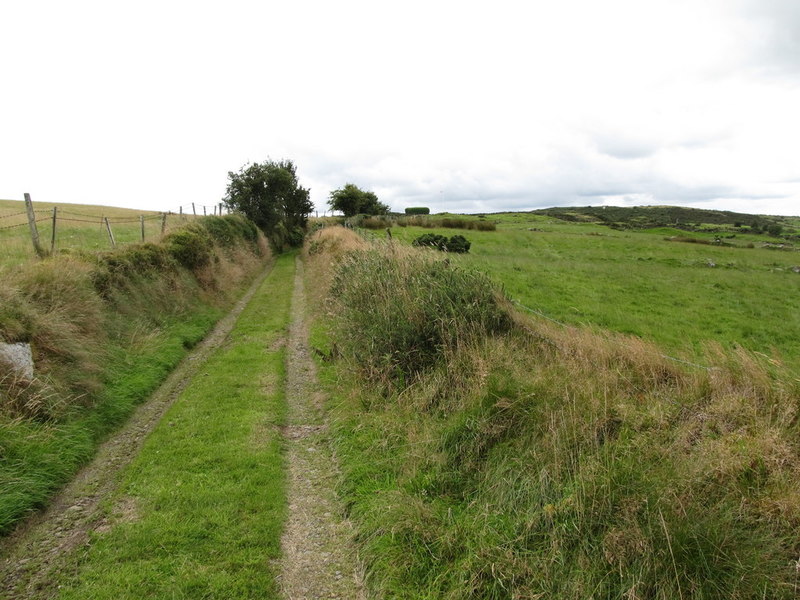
<point x="458" y="105"/>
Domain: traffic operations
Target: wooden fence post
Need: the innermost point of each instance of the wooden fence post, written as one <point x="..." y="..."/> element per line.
<point x="40" y="252"/>
<point x="220" y="209"/>
<point x="163" y="223"/>
<point x="53" y="236"/>
<point x="110" y="235"/>
<point x="141" y="222"/>
<point x="194" y="210"/>
<point x="204" y="210"/>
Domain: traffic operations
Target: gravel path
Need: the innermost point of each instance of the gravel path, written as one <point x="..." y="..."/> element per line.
<point x="318" y="560"/>
<point x="32" y="556"/>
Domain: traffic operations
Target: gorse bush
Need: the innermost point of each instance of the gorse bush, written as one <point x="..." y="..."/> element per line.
<point x="190" y="247"/>
<point x="457" y="243"/>
<point x="408" y="312"/>
<point x="431" y="240"/>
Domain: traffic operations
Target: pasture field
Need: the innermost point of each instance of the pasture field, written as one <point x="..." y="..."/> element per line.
<point x="680" y="295"/>
<point x="78" y="227"/>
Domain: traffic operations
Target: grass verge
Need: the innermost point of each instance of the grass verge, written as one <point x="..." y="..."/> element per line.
<point x="200" y="512"/>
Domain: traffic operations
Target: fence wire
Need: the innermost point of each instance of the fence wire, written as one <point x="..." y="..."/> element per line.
<point x="85" y="229"/>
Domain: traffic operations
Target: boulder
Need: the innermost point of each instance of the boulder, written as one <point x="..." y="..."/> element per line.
<point x="19" y="357"/>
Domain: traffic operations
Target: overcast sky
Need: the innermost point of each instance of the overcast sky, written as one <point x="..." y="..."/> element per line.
<point x="461" y="106"/>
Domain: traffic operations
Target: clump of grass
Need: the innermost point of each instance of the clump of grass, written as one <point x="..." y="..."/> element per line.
<point x="410" y="311"/>
<point x="546" y="461"/>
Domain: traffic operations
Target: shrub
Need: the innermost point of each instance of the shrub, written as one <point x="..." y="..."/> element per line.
<point x="433" y="240"/>
<point x="189" y="247"/>
<point x="457" y="243"/>
<point x="418" y="210"/>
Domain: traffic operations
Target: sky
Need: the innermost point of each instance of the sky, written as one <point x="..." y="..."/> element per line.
<point x="460" y="106"/>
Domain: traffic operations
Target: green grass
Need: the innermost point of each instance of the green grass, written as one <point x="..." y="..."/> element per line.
<point x="41" y="456"/>
<point x="635" y="282"/>
<point x="208" y="485"/>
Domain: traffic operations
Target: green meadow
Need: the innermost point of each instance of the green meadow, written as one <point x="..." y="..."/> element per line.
<point x="681" y="295"/>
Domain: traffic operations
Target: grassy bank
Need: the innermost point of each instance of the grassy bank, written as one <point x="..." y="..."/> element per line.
<point x="201" y="509"/>
<point x="104" y="330"/>
<point x="541" y="461"/>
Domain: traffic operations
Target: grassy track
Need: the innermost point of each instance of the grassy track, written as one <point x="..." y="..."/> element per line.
<point x="42" y="456"/>
<point x="638" y="283"/>
<point x="201" y="510"/>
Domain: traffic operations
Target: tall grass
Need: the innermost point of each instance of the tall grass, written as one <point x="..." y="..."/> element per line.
<point x="547" y="462"/>
<point x="412" y="310"/>
<point x="447" y="223"/>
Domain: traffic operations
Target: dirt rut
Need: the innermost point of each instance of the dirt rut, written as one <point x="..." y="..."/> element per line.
<point x="318" y="559"/>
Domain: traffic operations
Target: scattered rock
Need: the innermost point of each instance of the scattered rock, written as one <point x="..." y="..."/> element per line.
<point x="796" y="269"/>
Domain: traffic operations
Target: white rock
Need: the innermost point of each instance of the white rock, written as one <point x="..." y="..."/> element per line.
<point x="19" y="357"/>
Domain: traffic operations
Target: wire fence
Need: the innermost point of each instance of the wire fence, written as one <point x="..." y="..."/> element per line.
<point x="58" y="228"/>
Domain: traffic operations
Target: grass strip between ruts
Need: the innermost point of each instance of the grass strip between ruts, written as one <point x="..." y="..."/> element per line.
<point x="201" y="509"/>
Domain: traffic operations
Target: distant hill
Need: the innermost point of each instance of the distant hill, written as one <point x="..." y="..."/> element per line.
<point x="678" y="217"/>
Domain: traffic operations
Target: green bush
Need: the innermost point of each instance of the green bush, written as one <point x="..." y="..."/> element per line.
<point x="221" y="229"/>
<point x="433" y="240"/>
<point x="190" y="247"/>
<point x="457" y="243"/>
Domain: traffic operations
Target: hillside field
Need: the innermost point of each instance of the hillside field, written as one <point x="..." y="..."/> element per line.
<point x="78" y="227"/>
<point x="644" y="282"/>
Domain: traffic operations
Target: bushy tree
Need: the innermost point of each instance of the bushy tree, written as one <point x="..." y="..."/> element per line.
<point x="352" y="200"/>
<point x="270" y="195"/>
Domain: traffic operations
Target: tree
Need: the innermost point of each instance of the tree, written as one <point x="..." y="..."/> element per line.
<point x="270" y="195"/>
<point x="352" y="200"/>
